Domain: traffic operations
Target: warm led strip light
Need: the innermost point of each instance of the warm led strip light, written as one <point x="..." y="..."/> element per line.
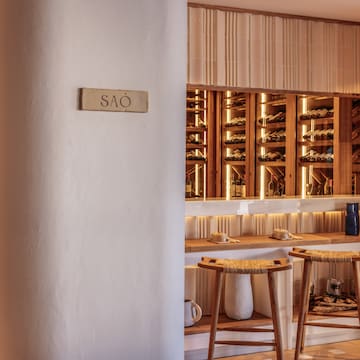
<point x="228" y="167"/>
<point x="262" y="149"/>
<point x="304" y="108"/>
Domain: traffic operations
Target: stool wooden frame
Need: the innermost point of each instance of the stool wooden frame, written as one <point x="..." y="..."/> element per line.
<point x="222" y="266"/>
<point x="326" y="256"/>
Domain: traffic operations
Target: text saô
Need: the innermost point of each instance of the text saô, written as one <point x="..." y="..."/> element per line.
<point x="113" y="100"/>
<point x="123" y="101"/>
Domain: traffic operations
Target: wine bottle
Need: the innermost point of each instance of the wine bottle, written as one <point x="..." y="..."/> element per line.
<point x="238" y="188"/>
<point x="271" y="186"/>
<point x="188" y="187"/>
<point x="233" y="186"/>
<point x="352" y="219"/>
<point x="281" y="187"/>
<point x="242" y="188"/>
<point x="326" y="187"/>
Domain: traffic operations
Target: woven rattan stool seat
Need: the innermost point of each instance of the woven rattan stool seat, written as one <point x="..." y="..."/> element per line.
<point x="326" y="255"/>
<point x="254" y="267"/>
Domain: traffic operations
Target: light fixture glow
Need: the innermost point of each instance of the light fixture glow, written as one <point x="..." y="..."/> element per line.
<point x="228" y="167"/>
<point x="262" y="182"/>
<point x="262" y="149"/>
<point x="304" y="129"/>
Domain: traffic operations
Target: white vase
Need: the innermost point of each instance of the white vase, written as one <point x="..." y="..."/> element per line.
<point x="238" y="300"/>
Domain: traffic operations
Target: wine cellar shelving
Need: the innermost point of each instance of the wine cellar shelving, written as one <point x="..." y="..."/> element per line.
<point x="235" y="140"/>
<point x="196" y="143"/>
<point x="241" y="144"/>
<point x="271" y="113"/>
<point x="316" y="145"/>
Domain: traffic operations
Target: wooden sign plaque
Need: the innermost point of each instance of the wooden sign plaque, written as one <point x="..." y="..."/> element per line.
<point x="113" y="100"/>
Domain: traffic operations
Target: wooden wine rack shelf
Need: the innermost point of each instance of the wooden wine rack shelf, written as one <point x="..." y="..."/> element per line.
<point x="324" y="136"/>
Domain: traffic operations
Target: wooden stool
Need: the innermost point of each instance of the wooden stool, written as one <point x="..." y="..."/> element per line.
<point x="309" y="257"/>
<point x="222" y="266"/>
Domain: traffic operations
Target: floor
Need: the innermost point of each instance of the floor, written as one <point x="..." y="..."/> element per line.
<point x="349" y="350"/>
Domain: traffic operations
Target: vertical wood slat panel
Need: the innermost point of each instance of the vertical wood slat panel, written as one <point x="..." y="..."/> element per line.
<point x="228" y="48"/>
<point x="304" y="54"/>
<point x="195" y="46"/>
<point x="348" y="52"/>
<point x="278" y="48"/>
<point x="333" y="50"/>
<point x="220" y="63"/>
<point x="210" y="45"/>
<point x="237" y="49"/>
<point x="356" y="81"/>
<point x="263" y="224"/>
<point x="257" y="52"/>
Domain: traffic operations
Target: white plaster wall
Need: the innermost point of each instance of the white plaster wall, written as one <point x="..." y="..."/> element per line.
<point x="92" y="210"/>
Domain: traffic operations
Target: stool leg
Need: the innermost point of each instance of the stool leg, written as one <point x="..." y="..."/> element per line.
<point x="275" y="317"/>
<point x="215" y="306"/>
<point x="355" y="266"/>
<point x="303" y="308"/>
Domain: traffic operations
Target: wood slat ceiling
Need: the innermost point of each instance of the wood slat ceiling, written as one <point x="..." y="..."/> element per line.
<point x="348" y="10"/>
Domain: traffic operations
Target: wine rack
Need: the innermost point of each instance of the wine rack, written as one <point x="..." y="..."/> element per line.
<point x="235" y="139"/>
<point x="196" y="142"/>
<point x="241" y="144"/>
<point x="274" y="165"/>
<point x="315" y="145"/>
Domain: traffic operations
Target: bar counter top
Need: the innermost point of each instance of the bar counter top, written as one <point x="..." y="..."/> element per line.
<point x="265" y="241"/>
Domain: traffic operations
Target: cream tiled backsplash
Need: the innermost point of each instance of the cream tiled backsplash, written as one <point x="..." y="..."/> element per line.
<point x="263" y="224"/>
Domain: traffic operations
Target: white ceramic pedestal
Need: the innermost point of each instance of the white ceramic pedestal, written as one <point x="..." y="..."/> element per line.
<point x="238" y="300"/>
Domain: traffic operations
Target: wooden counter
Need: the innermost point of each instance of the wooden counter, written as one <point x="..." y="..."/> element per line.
<point x="264" y="241"/>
